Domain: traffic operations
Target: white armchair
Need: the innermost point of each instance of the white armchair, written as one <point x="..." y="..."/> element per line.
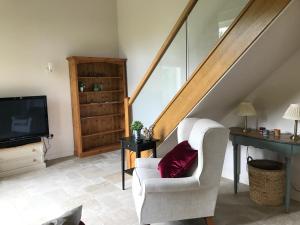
<point x="168" y="199"/>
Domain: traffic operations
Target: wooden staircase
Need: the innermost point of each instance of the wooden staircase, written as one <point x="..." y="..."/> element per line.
<point x="248" y="26"/>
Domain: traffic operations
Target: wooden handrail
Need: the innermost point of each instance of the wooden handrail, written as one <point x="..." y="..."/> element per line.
<point x="183" y="17"/>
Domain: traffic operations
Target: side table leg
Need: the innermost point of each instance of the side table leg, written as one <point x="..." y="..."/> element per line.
<point x="154" y="152"/>
<point x="138" y="153"/>
<point x="123" y="167"/>
<point x="288" y="171"/>
<point x="238" y="164"/>
<point x="235" y="167"/>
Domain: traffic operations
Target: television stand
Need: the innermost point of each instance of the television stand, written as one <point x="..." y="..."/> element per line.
<point x="20" y="159"/>
<point x="19" y="142"/>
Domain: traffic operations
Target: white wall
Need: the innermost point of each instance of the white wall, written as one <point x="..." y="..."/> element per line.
<point x="270" y="99"/>
<point x="34" y="32"/>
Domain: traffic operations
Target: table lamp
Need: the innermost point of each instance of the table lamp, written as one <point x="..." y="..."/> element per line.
<point x="293" y="113"/>
<point x="246" y="109"/>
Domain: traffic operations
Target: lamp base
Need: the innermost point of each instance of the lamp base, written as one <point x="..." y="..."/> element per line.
<point x="295" y="137"/>
<point x="245" y="130"/>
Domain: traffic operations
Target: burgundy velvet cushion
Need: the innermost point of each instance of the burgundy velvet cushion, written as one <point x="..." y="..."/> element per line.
<point x="178" y="161"/>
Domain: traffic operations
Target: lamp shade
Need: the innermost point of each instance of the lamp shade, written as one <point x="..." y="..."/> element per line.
<point x="293" y="112"/>
<point x="246" y="109"/>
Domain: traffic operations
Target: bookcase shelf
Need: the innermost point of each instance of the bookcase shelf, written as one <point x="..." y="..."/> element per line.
<point x="101" y="103"/>
<point x="100" y="149"/>
<point x="98" y="116"/>
<point x="100" y="92"/>
<point x="102" y="133"/>
<point x="101" y="116"/>
<point x="98" y="77"/>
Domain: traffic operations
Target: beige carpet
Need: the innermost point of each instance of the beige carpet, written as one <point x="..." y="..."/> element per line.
<point x="35" y="197"/>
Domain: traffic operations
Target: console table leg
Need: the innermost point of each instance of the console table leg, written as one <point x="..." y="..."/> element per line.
<point x="288" y="165"/>
<point x="235" y="166"/>
<point x="238" y="164"/>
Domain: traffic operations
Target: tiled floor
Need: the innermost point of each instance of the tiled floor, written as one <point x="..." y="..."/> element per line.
<point x="33" y="198"/>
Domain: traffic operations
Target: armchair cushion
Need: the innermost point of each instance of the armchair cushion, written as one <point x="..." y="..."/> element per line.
<point x="178" y="161"/>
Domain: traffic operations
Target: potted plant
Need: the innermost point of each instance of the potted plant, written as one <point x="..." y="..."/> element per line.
<point x="136" y="127"/>
<point x="96" y="87"/>
<point x="81" y="86"/>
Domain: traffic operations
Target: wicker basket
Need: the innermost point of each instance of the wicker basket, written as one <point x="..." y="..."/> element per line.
<point x="266" y="180"/>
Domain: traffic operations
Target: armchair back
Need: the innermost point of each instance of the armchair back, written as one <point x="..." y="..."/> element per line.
<point x="210" y="139"/>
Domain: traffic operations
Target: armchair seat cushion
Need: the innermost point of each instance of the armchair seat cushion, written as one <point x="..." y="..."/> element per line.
<point x="142" y="174"/>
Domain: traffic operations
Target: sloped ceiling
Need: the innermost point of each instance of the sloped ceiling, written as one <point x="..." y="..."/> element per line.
<point x="274" y="47"/>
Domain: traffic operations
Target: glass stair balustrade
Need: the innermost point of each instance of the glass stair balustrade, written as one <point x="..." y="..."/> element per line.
<point x="198" y="36"/>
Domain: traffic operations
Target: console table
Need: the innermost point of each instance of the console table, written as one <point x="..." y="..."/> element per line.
<point x="136" y="146"/>
<point x="282" y="145"/>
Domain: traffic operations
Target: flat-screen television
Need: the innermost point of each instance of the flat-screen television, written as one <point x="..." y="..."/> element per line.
<point x="23" y="118"/>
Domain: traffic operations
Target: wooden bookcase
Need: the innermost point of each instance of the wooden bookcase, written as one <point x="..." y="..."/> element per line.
<point x="98" y="116"/>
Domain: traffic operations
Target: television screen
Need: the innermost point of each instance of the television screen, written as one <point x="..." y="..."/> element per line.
<point x="23" y="117"/>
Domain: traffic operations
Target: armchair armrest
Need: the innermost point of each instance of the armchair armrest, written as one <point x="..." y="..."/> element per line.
<point x="150" y="163"/>
<point x="170" y="184"/>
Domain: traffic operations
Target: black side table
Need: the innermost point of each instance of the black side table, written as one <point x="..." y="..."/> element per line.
<point x="137" y="147"/>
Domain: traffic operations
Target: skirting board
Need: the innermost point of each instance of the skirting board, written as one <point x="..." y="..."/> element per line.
<point x="23" y="170"/>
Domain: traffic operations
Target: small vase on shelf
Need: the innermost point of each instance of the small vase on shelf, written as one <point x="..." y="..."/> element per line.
<point x="96" y="87"/>
<point x="81" y="86"/>
<point x="148" y="132"/>
<point x="137" y="135"/>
